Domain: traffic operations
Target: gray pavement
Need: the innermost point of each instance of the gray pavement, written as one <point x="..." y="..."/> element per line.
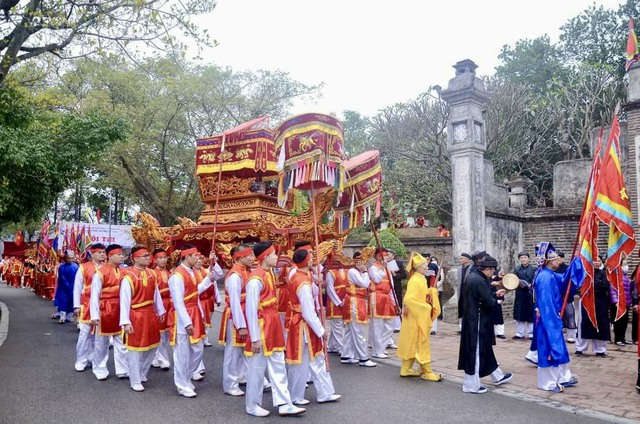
<point x="39" y="385"/>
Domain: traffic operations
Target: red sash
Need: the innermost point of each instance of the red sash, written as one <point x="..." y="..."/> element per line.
<point x="271" y="333"/>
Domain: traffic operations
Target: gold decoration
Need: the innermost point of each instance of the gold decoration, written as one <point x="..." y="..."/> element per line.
<point x="229" y="187"/>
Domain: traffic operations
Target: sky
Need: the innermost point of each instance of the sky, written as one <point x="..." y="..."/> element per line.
<point x="371" y="54"/>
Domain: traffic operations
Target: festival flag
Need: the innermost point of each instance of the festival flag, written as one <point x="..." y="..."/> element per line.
<point x="72" y="239"/>
<point x="87" y="239"/>
<point x="65" y="245"/>
<point x="56" y="233"/>
<point x="80" y="240"/>
<point x="98" y="215"/>
<point x="19" y="238"/>
<point x="632" y="46"/>
<point x="613" y="207"/>
<point x="588" y="234"/>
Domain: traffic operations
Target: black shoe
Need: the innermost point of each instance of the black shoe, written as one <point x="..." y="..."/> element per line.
<point x="601" y="355"/>
<point x="501" y="336"/>
<point x="517" y="337"/>
<point x="578" y="353"/>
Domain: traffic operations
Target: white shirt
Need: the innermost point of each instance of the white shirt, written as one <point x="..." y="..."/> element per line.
<point x="307" y="307"/>
<point x="176" y="288"/>
<point x="78" y="282"/>
<point x="358" y="278"/>
<point x="125" y="302"/>
<point x="233" y="284"/>
<point x="253" y="288"/>
<point x="331" y="290"/>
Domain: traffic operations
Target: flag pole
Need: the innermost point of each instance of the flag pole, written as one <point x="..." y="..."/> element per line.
<point x="215" y="213"/>
<point x="584" y="207"/>
<point x="317" y="249"/>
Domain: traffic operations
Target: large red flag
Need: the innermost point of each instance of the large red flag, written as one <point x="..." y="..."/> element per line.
<point x="613" y="207"/>
<point x="632" y="46"/>
<point x="587" y="236"/>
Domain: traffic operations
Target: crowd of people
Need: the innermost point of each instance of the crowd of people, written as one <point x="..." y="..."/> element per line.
<point x="28" y="273"/>
<point x="271" y="325"/>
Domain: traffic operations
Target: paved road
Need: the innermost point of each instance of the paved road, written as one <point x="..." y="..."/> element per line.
<point x="39" y="385"/>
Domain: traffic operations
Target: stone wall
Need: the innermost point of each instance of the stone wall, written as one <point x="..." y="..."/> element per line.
<point x="570" y="180"/>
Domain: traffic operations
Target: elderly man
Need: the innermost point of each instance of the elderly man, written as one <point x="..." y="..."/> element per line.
<point x="476" y="355"/>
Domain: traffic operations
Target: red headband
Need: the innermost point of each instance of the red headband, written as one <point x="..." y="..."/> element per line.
<point x="96" y="249"/>
<point x="188" y="252"/>
<point x="266" y="253"/>
<point x="160" y="255"/>
<point x="242" y="254"/>
<point x="305" y="262"/>
<point x="139" y="253"/>
<point x="114" y="252"/>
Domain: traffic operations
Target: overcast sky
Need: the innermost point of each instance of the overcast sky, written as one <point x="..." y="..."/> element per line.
<point x="371" y="54"/>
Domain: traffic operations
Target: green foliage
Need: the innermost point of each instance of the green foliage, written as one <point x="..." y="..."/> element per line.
<point x="169" y="102"/>
<point x="43" y="151"/>
<point x="389" y="240"/>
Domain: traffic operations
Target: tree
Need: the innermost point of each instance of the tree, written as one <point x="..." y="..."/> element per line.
<point x="42" y="151"/>
<point x="69" y="28"/>
<point x="169" y="103"/>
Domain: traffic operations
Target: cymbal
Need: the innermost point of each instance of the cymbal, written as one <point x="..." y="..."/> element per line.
<point x="510" y="281"/>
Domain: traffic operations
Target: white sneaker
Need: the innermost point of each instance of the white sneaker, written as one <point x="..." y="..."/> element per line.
<point x="207" y="344"/>
<point x="79" y="367"/>
<point x="289" y="410"/>
<point x="301" y="402"/>
<point x="259" y="412"/>
<point x="122" y="376"/>
<point x="349" y="361"/>
<point x="187" y="393"/>
<point x="137" y="387"/>
<point x="383" y="356"/>
<point x="155" y="364"/>
<point x="102" y="377"/>
<point x="235" y="392"/>
<point x="266" y="386"/>
<point x="197" y="377"/>
<point x="392" y="346"/>
<point x="368" y="363"/>
<point x="330" y="398"/>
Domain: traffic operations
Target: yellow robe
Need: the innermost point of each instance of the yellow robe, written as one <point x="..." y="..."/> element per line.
<point x="414" y="340"/>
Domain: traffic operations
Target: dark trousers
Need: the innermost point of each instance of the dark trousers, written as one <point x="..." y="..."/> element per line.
<point x="634" y="327"/>
<point x="620" y="326"/>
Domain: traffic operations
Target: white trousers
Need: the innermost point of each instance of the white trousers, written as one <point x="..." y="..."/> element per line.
<point x="162" y="352"/>
<point x="550" y="377"/>
<point x="234" y="363"/>
<point x="434" y="327"/>
<point x="598" y="346"/>
<point x="101" y="356"/>
<point x="139" y="364"/>
<point x="382" y="332"/>
<point x="524" y="329"/>
<point x="397" y="323"/>
<point x="355" y="344"/>
<point x="498" y="329"/>
<point x="336" y="337"/>
<point x="84" y="346"/>
<point x="298" y="374"/>
<point x="256" y="366"/>
<point x="471" y="383"/>
<point x="186" y="358"/>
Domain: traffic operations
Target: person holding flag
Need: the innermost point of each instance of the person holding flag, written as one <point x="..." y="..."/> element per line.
<point x="548" y="289"/>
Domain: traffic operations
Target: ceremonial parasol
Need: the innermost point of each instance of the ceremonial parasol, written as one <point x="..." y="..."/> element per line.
<point x="311" y="155"/>
<point x="363" y="189"/>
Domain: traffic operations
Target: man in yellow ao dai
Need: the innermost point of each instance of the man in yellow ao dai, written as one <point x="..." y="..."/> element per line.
<point x="421" y="307"/>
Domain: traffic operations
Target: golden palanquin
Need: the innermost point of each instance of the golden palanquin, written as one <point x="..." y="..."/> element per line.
<point x="238" y="184"/>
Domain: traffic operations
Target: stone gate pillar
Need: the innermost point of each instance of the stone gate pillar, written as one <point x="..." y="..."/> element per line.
<point x="466" y="96"/>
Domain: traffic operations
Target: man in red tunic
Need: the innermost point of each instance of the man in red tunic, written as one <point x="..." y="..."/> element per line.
<point x="81" y="305"/>
<point x="233" y="326"/>
<point x="382" y="306"/>
<point x="304" y="353"/>
<point x="140" y="307"/>
<point x="15" y="273"/>
<point x="160" y="258"/>
<point x="186" y="323"/>
<point x="265" y="344"/>
<point x="105" y="315"/>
